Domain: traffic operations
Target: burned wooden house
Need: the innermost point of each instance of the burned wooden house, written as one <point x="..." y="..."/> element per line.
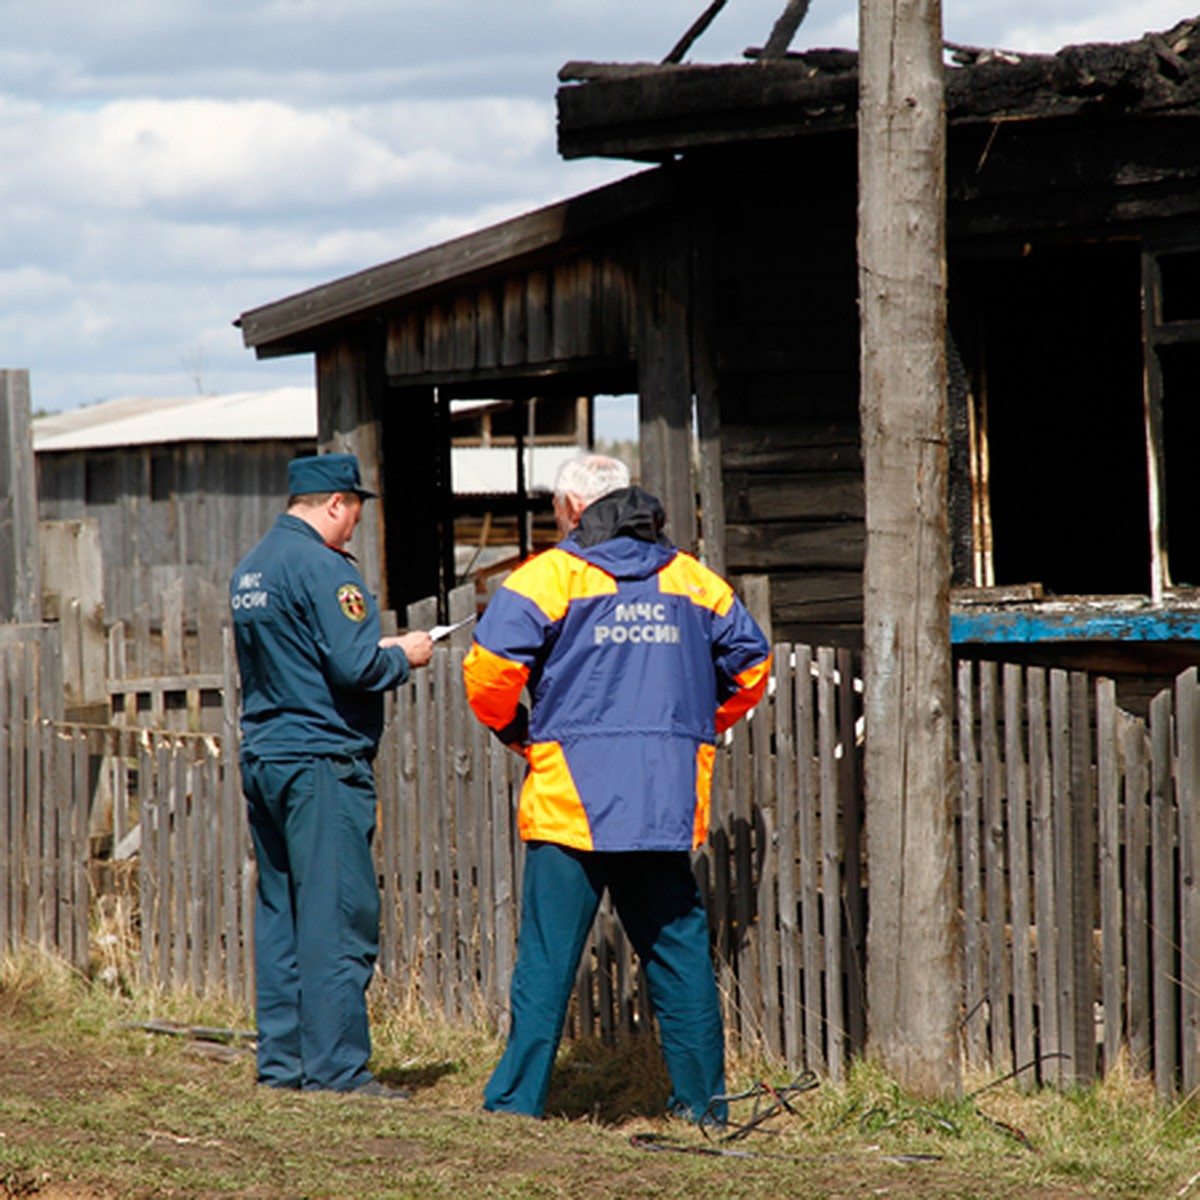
<point x="719" y="284"/>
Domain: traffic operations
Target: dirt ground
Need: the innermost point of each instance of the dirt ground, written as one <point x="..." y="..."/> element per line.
<point x="469" y="1153"/>
<point x="40" y="1073"/>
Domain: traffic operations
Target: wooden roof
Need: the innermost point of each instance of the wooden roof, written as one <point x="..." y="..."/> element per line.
<point x="655" y="112"/>
<point x="651" y="111"/>
<point x="294" y="324"/>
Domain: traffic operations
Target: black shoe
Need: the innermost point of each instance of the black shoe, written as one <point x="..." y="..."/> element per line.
<point x="379" y="1090"/>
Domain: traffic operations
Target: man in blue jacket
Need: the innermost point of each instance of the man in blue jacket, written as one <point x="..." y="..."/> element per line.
<point x="314" y="670"/>
<point x="635" y="657"/>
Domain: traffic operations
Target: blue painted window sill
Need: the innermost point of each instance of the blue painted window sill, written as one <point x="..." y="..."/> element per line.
<point x="1092" y="620"/>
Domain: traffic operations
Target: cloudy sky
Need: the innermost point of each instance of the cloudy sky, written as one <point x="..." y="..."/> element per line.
<point x="168" y="164"/>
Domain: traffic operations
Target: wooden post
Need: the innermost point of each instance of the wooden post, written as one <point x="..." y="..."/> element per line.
<point x="20" y="570"/>
<point x="72" y="565"/>
<point x="350" y="389"/>
<point x="914" y="985"/>
<point x="415" y="441"/>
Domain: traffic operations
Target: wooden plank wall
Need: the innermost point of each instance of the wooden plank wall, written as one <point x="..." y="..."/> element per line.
<point x="567" y="324"/>
<point x="665" y="384"/>
<point x="350" y="390"/>
<point x="73" y="597"/>
<point x="786" y="331"/>
<point x="217" y="500"/>
<point x="578" y="310"/>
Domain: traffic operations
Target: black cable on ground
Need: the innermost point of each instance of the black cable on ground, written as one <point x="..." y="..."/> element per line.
<point x="1004" y="1127"/>
<point x="769" y="1102"/>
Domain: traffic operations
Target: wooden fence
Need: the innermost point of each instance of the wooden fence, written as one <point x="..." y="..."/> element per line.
<point x="194" y="870"/>
<point x="97" y="815"/>
<point x="1080" y="851"/>
<point x="780" y="872"/>
<point x="1079" y="847"/>
<point x="171" y="675"/>
<point x="43" y="828"/>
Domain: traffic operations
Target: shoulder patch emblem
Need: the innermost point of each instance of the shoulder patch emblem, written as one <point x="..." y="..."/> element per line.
<point x="352" y="602"/>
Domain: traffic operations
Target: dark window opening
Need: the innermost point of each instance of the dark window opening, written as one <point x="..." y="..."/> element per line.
<point x="1179" y="280"/>
<point x="510" y="421"/>
<point x="100" y="480"/>
<point x="162" y="476"/>
<point x="558" y="419"/>
<point x="1053" y="343"/>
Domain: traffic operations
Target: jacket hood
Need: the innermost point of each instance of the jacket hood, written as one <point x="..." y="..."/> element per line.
<point x="621" y="533"/>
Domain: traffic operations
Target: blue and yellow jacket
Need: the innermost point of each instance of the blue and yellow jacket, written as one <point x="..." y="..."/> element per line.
<point x="635" y="656"/>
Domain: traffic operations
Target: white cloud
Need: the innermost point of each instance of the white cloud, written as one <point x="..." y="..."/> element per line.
<point x="254" y="156"/>
<point x="1076" y="22"/>
<point x="169" y="165"/>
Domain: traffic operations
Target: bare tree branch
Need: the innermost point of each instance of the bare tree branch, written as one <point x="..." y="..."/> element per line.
<point x="699" y="25"/>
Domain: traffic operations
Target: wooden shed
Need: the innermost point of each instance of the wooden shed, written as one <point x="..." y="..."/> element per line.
<point x="178" y="487"/>
<point x="720" y="285"/>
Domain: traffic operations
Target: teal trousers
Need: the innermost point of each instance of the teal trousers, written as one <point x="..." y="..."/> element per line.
<point x="316" y="919"/>
<point x="655" y="895"/>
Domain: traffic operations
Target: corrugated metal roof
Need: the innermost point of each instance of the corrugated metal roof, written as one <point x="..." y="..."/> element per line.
<point x="283" y="414"/>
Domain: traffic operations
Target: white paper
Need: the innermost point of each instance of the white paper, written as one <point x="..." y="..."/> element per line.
<point x="441" y="631"/>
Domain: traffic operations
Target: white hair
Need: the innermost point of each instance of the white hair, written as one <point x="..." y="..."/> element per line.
<point x="590" y="476"/>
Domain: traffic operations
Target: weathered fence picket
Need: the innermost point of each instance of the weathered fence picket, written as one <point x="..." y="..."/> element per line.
<point x="808" y="853"/>
<point x="832" y="742"/>
<point x="1187" y="774"/>
<point x="1042" y="840"/>
<point x="1135" y="791"/>
<point x="170" y="675"/>
<point x="1112" y="931"/>
<point x="850" y="804"/>
<point x="1164" y="965"/>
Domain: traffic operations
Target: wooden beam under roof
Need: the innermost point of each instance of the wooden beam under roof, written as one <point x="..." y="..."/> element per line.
<point x="655" y="111"/>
